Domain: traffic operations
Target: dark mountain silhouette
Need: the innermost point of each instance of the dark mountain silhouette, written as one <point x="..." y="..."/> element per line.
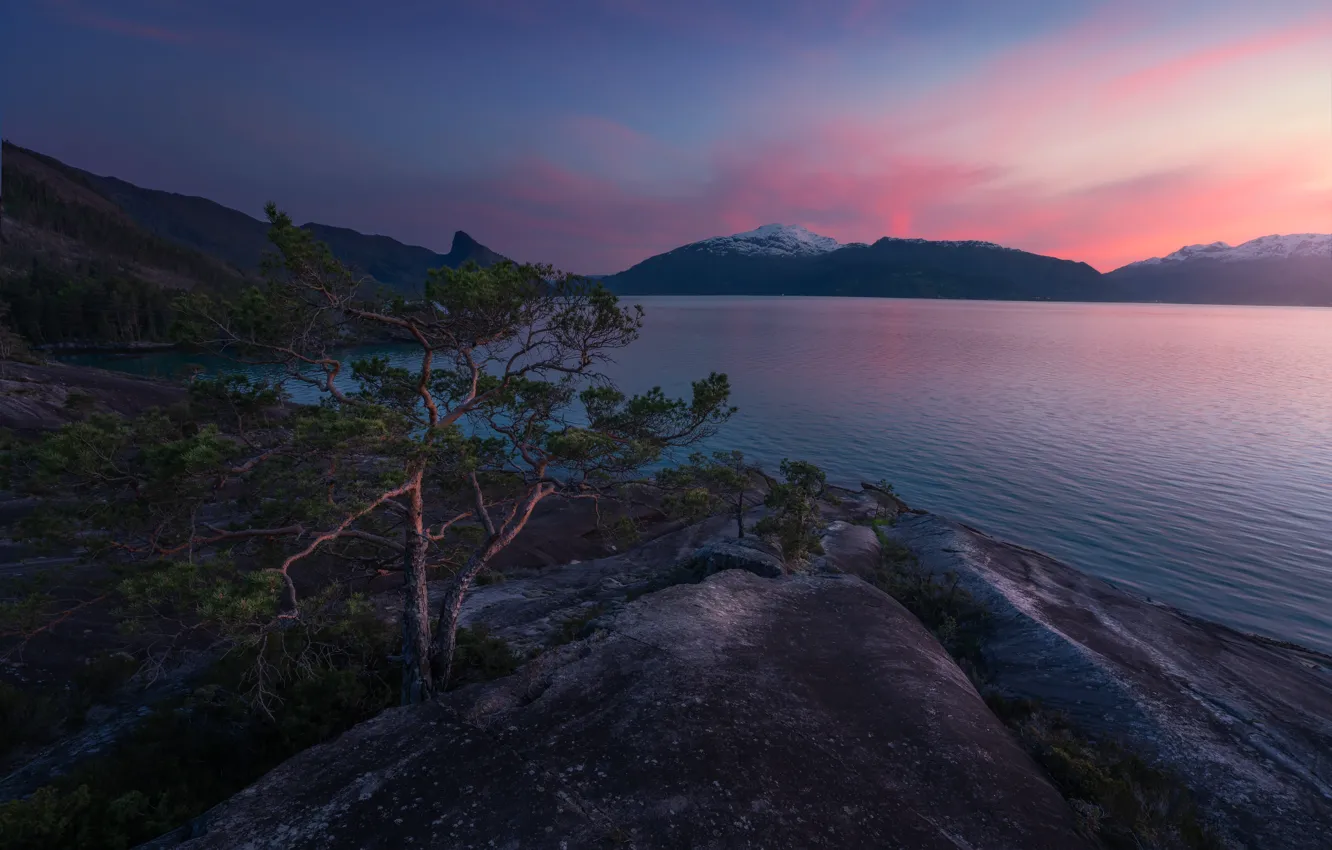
<point x="906" y="268"/>
<point x="1294" y="282"/>
<point x="55" y="214"/>
<point x="236" y="239"/>
<point x="1290" y="270"/>
<point x="779" y="260"/>
<point x="401" y="267"/>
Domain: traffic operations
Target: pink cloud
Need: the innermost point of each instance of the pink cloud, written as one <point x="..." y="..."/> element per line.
<point x="539" y="210"/>
<point x="594" y="129"/>
<point x="77" y="14"/>
<point x="1099" y="71"/>
<point x="1117" y="222"/>
<point x="783" y="24"/>
<point x="847" y="183"/>
<point x="1192" y="64"/>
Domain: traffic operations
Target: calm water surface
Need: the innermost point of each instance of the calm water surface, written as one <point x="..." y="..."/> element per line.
<point x="1181" y="451"/>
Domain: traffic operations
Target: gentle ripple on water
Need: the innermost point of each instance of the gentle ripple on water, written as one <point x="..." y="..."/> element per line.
<point x="1181" y="451"/>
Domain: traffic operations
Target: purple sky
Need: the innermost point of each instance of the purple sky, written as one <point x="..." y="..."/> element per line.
<point x="594" y="133"/>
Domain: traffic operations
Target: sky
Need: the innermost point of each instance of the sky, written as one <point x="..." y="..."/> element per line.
<point x="592" y="134"/>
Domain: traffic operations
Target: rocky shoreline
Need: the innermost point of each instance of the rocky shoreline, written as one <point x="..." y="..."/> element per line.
<point x="105" y="348"/>
<point x="36" y="397"/>
<point x="1245" y="721"/>
<point x="697" y="704"/>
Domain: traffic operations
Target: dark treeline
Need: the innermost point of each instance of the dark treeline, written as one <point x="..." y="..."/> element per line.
<point x="86" y="305"/>
<point x="78" y="280"/>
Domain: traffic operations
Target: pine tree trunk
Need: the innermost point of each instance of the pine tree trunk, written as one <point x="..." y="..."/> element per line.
<point x="740" y="518"/>
<point x="417" y="682"/>
<point x="446" y="629"/>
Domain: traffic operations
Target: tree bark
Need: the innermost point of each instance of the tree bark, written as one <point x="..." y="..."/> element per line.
<point x="446" y="627"/>
<point x="740" y="518"/>
<point x="417" y="681"/>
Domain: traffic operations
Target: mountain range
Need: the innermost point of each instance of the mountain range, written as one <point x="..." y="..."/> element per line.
<point x="57" y="211"/>
<point x="790" y="260"/>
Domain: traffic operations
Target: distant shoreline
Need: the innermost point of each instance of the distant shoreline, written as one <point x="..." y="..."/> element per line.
<point x="623" y="296"/>
<point x="105" y="348"/>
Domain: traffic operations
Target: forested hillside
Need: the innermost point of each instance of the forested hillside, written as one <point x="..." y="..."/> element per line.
<point x="75" y="269"/>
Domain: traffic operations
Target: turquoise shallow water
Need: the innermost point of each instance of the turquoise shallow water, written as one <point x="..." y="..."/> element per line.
<point x="1181" y="451"/>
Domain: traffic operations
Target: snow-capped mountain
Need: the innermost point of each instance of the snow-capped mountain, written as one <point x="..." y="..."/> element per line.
<point x="789" y="260"/>
<point x="792" y="240"/>
<point x="771" y="240"/>
<point x="1295" y="269"/>
<point x="1290" y="246"/>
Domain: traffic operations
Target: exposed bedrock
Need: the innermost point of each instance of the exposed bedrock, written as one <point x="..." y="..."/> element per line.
<point x="40" y="397"/>
<point x="1245" y="721"/>
<point x="805" y="711"/>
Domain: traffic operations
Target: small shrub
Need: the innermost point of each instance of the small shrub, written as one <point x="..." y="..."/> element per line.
<point x="572" y="628"/>
<point x="794" y="505"/>
<point x="887" y="498"/>
<point x="691" y="504"/>
<point x="79" y="402"/>
<point x="480" y="657"/>
<point x="1119" y="800"/>
<point x="26" y="604"/>
<point x="624" y="533"/>
<point x="707" y="485"/>
<point x="956" y="619"/>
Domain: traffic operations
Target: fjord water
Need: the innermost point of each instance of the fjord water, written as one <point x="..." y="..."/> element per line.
<point x="1184" y="452"/>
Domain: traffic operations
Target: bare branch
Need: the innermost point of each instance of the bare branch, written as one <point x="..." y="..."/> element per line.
<point x="436" y="536"/>
<point x="55" y="621"/>
<point x="292" y="610"/>
<point x="480" y="502"/>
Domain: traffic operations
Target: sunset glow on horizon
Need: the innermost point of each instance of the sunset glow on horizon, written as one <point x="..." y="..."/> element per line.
<point x="595" y="133"/>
